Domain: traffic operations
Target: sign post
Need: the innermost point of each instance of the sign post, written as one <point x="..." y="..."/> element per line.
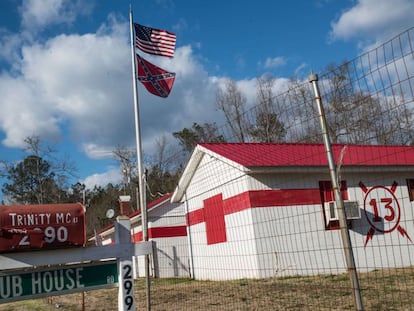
<point x="26" y="275"/>
<point x="126" y="300"/>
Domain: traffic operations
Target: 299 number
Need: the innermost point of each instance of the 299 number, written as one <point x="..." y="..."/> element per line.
<point x="128" y="286"/>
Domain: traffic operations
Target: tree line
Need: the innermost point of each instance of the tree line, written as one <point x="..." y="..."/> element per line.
<point x="353" y="116"/>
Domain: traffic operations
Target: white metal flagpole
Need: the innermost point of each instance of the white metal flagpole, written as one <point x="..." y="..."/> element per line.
<point x="141" y="176"/>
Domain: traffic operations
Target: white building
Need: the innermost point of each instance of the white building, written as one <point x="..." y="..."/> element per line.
<point x="260" y="210"/>
<point x="167" y="231"/>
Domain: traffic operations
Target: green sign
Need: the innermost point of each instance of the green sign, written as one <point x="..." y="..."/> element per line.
<point x="76" y="278"/>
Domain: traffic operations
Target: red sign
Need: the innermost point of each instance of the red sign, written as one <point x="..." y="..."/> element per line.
<point x="41" y="226"/>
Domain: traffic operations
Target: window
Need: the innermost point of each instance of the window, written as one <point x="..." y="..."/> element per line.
<point x="327" y="195"/>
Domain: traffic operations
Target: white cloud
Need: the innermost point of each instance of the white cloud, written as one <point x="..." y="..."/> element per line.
<point x="9" y="46"/>
<point x="37" y="14"/>
<point x="373" y="20"/>
<point x="274" y="62"/>
<point x="22" y="112"/>
<point x="83" y="83"/>
<point x="300" y="68"/>
<point x="94" y="151"/>
<point x="113" y="175"/>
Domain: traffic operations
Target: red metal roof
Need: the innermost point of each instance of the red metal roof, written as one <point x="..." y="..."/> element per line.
<point x="286" y="154"/>
<point x="162" y="199"/>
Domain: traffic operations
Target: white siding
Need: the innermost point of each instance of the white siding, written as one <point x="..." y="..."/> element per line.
<point x="292" y="240"/>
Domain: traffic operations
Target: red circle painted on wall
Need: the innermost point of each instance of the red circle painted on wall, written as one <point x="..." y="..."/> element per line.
<point x="382" y="209"/>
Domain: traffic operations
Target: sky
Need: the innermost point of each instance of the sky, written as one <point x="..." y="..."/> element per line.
<point x="65" y="65"/>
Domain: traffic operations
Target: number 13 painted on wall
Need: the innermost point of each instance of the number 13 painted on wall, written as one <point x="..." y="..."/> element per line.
<point x="387" y="205"/>
<point x="382" y="210"/>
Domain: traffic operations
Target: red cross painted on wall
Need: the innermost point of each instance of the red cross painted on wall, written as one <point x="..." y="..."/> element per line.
<point x="215" y="222"/>
<point x="213" y="215"/>
<point x="215" y="208"/>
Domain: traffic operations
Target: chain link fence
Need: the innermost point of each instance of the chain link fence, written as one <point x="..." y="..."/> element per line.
<point x="270" y="239"/>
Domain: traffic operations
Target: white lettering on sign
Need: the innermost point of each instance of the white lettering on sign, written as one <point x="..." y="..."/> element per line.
<point x="30" y="219"/>
<point x="46" y="282"/>
<point x="10" y="286"/>
<point x="65" y="218"/>
<point x="52" y="234"/>
<point x="41" y="219"/>
<point x="58" y="280"/>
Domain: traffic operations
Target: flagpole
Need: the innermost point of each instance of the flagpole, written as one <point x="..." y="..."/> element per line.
<point x="141" y="176"/>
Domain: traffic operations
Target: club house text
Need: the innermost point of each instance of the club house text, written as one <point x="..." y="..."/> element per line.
<point x="43" y="282"/>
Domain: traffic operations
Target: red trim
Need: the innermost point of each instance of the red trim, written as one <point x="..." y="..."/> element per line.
<point x="159" y="200"/>
<point x="137" y="237"/>
<point x="162" y="199"/>
<point x="237" y="203"/>
<point x="215" y="208"/>
<point x="195" y="217"/>
<point x="260" y="198"/>
<point x="167" y="232"/>
<point x="161" y="232"/>
<point x="269" y="198"/>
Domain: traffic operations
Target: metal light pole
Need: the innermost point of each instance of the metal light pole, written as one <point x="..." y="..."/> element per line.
<point x="346" y="240"/>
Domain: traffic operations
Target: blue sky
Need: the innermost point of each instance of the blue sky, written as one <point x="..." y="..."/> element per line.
<point x="65" y="65"/>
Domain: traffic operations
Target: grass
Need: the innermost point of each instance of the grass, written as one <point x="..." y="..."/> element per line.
<point x="381" y="290"/>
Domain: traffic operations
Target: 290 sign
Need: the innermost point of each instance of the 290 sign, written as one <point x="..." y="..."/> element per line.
<point x="42" y="226"/>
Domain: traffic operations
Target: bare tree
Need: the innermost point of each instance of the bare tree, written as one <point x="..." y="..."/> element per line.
<point x="161" y="148"/>
<point x="268" y="126"/>
<point x="127" y="160"/>
<point x="167" y="156"/>
<point x="301" y="115"/>
<point x="358" y="117"/>
<point x="231" y="101"/>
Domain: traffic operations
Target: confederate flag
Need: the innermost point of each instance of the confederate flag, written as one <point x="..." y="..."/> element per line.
<point x="155" y="79"/>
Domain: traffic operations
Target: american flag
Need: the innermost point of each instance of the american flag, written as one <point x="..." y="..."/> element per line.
<point x="156" y="80"/>
<point x="154" y="41"/>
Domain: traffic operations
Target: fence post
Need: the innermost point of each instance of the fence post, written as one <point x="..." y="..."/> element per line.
<point x="346" y="240"/>
<point x="190" y="242"/>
